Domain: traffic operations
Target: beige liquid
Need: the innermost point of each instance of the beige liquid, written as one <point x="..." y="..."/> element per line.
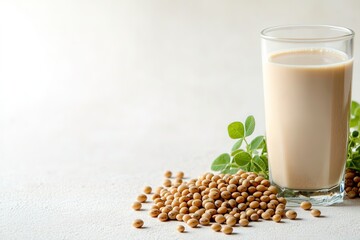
<point x="307" y="98"/>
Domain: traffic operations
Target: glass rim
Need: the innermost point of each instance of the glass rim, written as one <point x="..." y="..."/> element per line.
<point x="347" y="33"/>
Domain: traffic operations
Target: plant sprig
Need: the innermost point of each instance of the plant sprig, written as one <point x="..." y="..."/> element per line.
<point x="245" y="154"/>
<point x="353" y="155"/>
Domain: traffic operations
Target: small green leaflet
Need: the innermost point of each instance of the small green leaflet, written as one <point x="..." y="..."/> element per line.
<point x="354" y="122"/>
<point x="256" y="142"/>
<point x="355" y="115"/>
<point x="236" y="130"/>
<point x="242" y="158"/>
<point x="255" y="167"/>
<point x="249" y="125"/>
<point x="246" y="167"/>
<point x="355" y="106"/>
<point x="237" y="145"/>
<point x="260" y="163"/>
<point x="220" y="162"/>
<point x="236" y="152"/>
<point x="353" y="163"/>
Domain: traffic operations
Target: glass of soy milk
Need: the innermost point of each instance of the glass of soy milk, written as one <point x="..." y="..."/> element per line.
<point x="307" y="75"/>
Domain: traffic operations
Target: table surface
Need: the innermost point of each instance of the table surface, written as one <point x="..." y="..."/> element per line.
<point x="99" y="98"/>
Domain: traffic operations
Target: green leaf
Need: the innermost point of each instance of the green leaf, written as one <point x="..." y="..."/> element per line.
<point x="233" y="165"/>
<point x="356" y="155"/>
<point x="254" y="152"/>
<point x="254" y="167"/>
<point x="264" y="158"/>
<point x="237" y="145"/>
<point x="249" y="125"/>
<point x="242" y="158"/>
<point x="220" y="162"/>
<point x="356" y="163"/>
<point x="230" y="169"/>
<point x="349" y="163"/>
<point x="259" y="162"/>
<point x="246" y="167"/>
<point x="256" y="142"/>
<point x="264" y="148"/>
<point x="236" y="130"/>
<point x="354" y="122"/>
<point x="357" y="112"/>
<point x="354" y="108"/>
<point x="226" y="169"/>
<point x="236" y="152"/>
<point x="233" y="170"/>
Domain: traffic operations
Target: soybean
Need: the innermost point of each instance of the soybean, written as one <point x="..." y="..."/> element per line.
<point x="142" y="198"/>
<point x="138" y="223"/>
<point x="192" y="222"/>
<point x="167" y="174"/>
<point x="216" y="227"/>
<point x="306" y="205"/>
<point x="136" y="206"/>
<point x="244" y="222"/>
<point x="276" y="218"/>
<point x="316" y="212"/>
<point x="180" y="228"/>
<point x="291" y="214"/>
<point x="227" y="229"/>
<point x="147" y="189"/>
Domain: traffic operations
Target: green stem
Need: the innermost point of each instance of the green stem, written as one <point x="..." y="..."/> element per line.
<point x="247" y="147"/>
<point x="350" y="147"/>
<point x="247" y="144"/>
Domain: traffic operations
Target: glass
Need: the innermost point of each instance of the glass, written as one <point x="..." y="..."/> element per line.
<point x="307" y="75"/>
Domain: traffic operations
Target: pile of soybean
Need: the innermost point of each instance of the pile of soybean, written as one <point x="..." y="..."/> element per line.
<point x="352" y="183"/>
<point x="222" y="201"/>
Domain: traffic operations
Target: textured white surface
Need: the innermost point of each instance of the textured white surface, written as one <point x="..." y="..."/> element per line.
<point x="98" y="98"/>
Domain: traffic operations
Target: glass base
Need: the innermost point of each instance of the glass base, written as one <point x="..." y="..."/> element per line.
<point x="320" y="197"/>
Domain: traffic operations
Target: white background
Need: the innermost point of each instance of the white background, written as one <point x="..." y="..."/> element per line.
<point x="98" y="98"/>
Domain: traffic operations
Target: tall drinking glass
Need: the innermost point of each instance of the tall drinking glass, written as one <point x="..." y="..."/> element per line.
<point x="307" y="74"/>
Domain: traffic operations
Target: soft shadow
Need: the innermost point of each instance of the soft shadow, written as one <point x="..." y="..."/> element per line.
<point x="248" y="226"/>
